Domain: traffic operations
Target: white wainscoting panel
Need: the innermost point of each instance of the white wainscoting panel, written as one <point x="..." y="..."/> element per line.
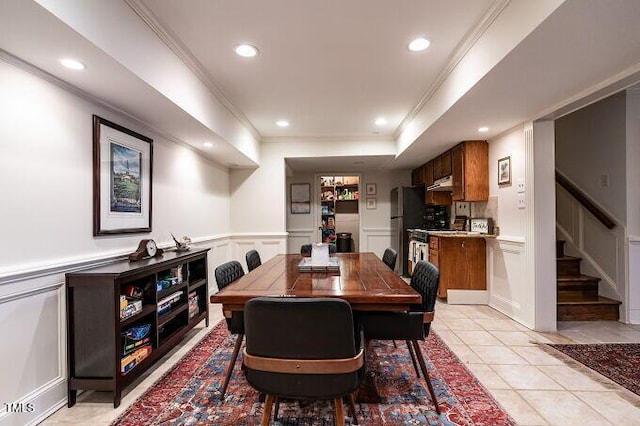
<point x="267" y="245"/>
<point x="33" y="350"/>
<point x="505" y="280"/>
<point x="298" y="238"/>
<point x="33" y="318"/>
<point x="375" y="240"/>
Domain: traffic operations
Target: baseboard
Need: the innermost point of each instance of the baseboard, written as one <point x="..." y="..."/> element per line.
<point x="467" y="297"/>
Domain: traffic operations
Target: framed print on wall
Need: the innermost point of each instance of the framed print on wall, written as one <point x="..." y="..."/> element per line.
<point x="300" y="198"/>
<point x="371" y="203"/>
<point x="122" y="171"/>
<point x="371" y="189"/>
<point x="504" y="171"/>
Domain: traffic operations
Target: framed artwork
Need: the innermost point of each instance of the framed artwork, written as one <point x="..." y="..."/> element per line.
<point x="371" y="189"/>
<point x="371" y="203"/>
<point x="504" y="171"/>
<point x="300" y="195"/>
<point x="122" y="171"/>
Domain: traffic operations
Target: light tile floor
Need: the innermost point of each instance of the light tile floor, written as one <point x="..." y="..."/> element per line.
<point x="533" y="386"/>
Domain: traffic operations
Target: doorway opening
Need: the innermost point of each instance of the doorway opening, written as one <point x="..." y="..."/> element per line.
<point x="339" y="210"/>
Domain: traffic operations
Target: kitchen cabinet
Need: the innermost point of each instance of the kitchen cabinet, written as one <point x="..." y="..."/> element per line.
<point x="461" y="261"/>
<point x="417" y="176"/>
<point x="437" y="168"/>
<point x="428" y="173"/>
<point x="470" y="171"/>
<point x="445" y="164"/>
<point x="437" y="198"/>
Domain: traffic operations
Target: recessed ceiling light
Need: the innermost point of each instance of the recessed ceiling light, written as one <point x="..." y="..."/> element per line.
<point x="246" y="50"/>
<point x="73" y="64"/>
<point x="207" y="144"/>
<point x="380" y="121"/>
<point x="419" y="44"/>
<point x="282" y="123"/>
<point x="483" y="129"/>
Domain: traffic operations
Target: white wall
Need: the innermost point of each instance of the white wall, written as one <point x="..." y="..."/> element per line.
<point x="633" y="204"/>
<point x="46" y="224"/>
<point x="258" y="197"/>
<point x="591" y="142"/>
<point x="508" y="290"/>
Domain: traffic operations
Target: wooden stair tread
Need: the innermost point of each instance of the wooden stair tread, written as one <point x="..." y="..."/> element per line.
<point x="565" y="257"/>
<point x="582" y="300"/>
<point x="576" y="278"/>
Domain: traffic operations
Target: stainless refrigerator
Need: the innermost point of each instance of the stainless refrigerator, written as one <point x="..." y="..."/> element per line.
<point x="407" y="212"/>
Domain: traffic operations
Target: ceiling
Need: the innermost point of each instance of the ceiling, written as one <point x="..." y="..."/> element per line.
<point x="339" y="164"/>
<point x="330" y="68"/>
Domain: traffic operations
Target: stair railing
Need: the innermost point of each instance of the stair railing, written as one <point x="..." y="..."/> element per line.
<point x="586" y="202"/>
<point x="600" y="242"/>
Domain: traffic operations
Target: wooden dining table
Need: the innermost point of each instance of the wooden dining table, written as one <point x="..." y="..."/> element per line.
<point x="363" y="280"/>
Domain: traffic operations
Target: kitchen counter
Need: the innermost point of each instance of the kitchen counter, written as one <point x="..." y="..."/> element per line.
<point x="455" y="234"/>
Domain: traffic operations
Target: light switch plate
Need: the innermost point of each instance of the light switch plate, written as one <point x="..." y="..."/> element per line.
<point x="520" y="186"/>
<point x="520" y="202"/>
<point x="604" y="180"/>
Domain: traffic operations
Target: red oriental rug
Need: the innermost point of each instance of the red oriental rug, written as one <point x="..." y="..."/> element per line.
<point x="619" y="362"/>
<point x="187" y="394"/>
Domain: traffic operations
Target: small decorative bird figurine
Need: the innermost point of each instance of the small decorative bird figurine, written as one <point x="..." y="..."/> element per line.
<point x="182" y="245"/>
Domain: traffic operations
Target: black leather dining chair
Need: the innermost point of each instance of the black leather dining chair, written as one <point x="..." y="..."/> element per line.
<point x="303" y="348"/>
<point x="305" y="250"/>
<point x="226" y="274"/>
<point x="412" y="325"/>
<point x="253" y="260"/>
<point x="389" y="258"/>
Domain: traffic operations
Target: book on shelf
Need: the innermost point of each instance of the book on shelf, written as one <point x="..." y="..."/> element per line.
<point x="193" y="304"/>
<point x="134" y="337"/>
<point x="128" y="362"/>
<point x="132" y="307"/>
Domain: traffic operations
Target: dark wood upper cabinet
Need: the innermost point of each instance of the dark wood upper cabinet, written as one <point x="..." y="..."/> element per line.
<point x="445" y="160"/>
<point x="428" y="173"/>
<point x="470" y="171"/>
<point x="417" y="176"/>
<point x="457" y="173"/>
<point x="437" y="168"/>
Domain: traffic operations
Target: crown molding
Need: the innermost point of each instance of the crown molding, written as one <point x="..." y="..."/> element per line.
<point x="143" y="125"/>
<point x="329" y="138"/>
<point x="468" y="41"/>
<point x="173" y="42"/>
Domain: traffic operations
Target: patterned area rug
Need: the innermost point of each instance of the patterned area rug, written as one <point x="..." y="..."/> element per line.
<point x="619" y="362"/>
<point x="187" y="394"/>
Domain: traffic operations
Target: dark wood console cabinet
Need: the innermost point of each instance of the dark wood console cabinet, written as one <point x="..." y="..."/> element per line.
<point x="94" y="345"/>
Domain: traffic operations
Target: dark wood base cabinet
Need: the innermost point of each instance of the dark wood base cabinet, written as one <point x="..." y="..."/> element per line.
<point x="173" y="290"/>
<point x="462" y="263"/>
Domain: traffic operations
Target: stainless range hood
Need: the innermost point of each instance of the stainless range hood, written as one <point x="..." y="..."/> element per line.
<point x="442" y="184"/>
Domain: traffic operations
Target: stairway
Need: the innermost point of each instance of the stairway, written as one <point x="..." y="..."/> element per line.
<point x="578" y="298"/>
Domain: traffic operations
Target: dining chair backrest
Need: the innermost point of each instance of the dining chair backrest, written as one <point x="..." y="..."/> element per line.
<point x="301" y="329"/>
<point x="305" y="250"/>
<point x="253" y="260"/>
<point x="389" y="258"/>
<point x="227" y="273"/>
<point x="425" y="280"/>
